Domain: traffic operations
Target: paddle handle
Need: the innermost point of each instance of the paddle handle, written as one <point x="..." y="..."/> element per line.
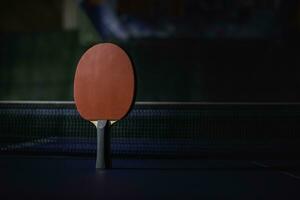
<point x="103" y="150"/>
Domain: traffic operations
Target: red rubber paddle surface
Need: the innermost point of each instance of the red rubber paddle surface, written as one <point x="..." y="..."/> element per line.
<point x="104" y="83"/>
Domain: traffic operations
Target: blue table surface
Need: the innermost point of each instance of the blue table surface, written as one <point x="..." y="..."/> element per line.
<point x="48" y="177"/>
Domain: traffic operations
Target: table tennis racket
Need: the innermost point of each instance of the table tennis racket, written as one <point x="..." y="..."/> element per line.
<point x="104" y="90"/>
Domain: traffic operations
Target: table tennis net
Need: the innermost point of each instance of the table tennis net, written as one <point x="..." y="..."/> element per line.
<point x="155" y="130"/>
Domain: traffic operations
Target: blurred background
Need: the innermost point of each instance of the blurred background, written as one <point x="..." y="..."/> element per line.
<point x="183" y="50"/>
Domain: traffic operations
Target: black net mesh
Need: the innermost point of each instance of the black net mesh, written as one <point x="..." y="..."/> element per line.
<point x="156" y="130"/>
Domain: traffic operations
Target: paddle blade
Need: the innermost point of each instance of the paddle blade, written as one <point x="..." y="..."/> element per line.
<point x="104" y="83"/>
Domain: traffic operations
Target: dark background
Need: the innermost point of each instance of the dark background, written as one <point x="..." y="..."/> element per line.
<point x="217" y="50"/>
